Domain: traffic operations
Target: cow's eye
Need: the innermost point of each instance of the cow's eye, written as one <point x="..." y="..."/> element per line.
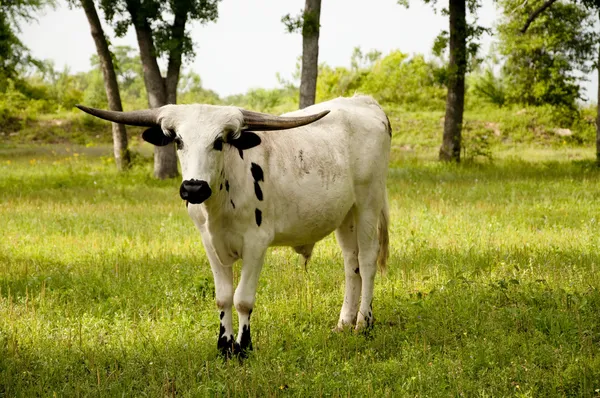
<point x="218" y="144"/>
<point x="178" y="143"/>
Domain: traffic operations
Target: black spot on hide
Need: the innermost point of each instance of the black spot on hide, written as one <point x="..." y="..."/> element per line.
<point x="246" y="140"/>
<point x="241" y="153"/>
<point x="258" y="216"/>
<point x="232" y="204"/>
<point x="357" y="271"/>
<point x="227" y="185"/>
<point x="221" y="315"/>
<point x="258" y="175"/>
<point x="258" y="191"/>
<point x="257" y="172"/>
<point x="221" y="187"/>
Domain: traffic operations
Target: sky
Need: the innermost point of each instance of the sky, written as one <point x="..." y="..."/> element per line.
<point x="248" y="45"/>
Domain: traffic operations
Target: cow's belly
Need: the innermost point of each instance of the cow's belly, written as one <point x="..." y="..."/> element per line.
<point x="308" y="218"/>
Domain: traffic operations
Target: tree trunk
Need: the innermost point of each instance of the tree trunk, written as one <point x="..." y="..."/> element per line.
<point x="119" y="132"/>
<point x="598" y="114"/>
<point x="174" y="67"/>
<point x="455" y="102"/>
<point x="310" y="52"/>
<point x="165" y="158"/>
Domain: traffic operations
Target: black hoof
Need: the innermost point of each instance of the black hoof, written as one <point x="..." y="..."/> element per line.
<point x="226" y="346"/>
<point x="242" y="352"/>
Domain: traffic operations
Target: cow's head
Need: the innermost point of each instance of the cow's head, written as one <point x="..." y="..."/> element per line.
<point x="200" y="133"/>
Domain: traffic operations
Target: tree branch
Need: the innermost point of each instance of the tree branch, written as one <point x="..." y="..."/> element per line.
<point x="536" y="14"/>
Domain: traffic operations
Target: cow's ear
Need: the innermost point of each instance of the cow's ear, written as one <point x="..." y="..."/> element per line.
<point x="246" y="140"/>
<point x="156" y="136"/>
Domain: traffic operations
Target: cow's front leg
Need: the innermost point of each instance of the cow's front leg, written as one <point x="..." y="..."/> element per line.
<point x="223" y="278"/>
<point x="245" y="295"/>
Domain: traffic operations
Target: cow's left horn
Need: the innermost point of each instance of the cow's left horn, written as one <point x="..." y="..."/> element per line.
<point x="263" y="122"/>
<point x="147" y="117"/>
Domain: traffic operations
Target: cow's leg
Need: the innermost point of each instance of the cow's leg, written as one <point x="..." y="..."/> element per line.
<point x="346" y="237"/>
<point x="223" y="277"/>
<point x="245" y="295"/>
<point x="368" y="248"/>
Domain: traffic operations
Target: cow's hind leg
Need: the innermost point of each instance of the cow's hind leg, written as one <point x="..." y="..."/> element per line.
<point x="347" y="239"/>
<point x="368" y="248"/>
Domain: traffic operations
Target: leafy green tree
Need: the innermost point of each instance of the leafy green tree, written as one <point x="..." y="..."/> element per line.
<point x="594" y="7"/>
<point x="546" y="52"/>
<point x="309" y="24"/>
<point x="160" y="28"/>
<point x="589" y="39"/>
<point x="14" y="56"/>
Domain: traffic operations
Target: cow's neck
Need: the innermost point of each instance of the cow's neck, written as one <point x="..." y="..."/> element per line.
<point x="233" y="189"/>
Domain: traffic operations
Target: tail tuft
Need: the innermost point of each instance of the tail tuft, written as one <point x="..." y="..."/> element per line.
<point x="384" y="237"/>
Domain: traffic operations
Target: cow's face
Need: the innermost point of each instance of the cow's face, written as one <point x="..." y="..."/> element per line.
<point x="201" y="133"/>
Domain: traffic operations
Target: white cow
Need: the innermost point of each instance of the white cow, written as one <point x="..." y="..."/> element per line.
<point x="320" y="169"/>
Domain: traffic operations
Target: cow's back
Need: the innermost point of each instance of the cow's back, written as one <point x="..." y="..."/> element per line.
<point x="366" y="130"/>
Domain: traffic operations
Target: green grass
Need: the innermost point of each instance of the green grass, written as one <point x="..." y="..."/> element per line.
<point x="492" y="289"/>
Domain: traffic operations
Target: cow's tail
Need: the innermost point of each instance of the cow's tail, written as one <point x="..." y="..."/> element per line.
<point x="384" y="236"/>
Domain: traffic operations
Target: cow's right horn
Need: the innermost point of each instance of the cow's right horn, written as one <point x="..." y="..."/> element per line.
<point x="147" y="117"/>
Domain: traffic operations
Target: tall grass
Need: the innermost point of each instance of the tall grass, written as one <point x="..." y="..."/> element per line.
<point x="492" y="289"/>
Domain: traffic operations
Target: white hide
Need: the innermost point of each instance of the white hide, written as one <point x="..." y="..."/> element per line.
<point x="315" y="177"/>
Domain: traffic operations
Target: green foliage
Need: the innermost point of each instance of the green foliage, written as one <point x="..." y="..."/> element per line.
<point x="190" y="91"/>
<point x="493" y="287"/>
<point x="14" y="56"/>
<point x="489" y="87"/>
<point x="477" y="143"/>
<point x="278" y="100"/>
<point x="160" y="15"/>
<point x="544" y="65"/>
<point x="306" y="22"/>
<point x="410" y="82"/>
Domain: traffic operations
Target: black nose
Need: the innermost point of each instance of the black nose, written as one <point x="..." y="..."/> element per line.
<point x="194" y="191"/>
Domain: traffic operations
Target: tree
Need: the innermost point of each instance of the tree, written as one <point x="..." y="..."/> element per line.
<point x="578" y="45"/>
<point x="457" y="68"/>
<point x="158" y="36"/>
<point x="111" y="86"/>
<point x="14" y="56"/>
<point x="309" y="24"/>
<point x="547" y="47"/>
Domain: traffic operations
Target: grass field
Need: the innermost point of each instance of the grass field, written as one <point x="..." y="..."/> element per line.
<point x="492" y="289"/>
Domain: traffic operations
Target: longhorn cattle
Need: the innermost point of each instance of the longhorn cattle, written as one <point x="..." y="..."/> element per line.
<point x="253" y="180"/>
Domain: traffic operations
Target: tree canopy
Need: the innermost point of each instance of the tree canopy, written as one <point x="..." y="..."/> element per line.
<point x="545" y="65"/>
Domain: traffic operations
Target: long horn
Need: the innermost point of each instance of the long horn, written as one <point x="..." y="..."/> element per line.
<point x="264" y="122"/>
<point x="147" y="117"/>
